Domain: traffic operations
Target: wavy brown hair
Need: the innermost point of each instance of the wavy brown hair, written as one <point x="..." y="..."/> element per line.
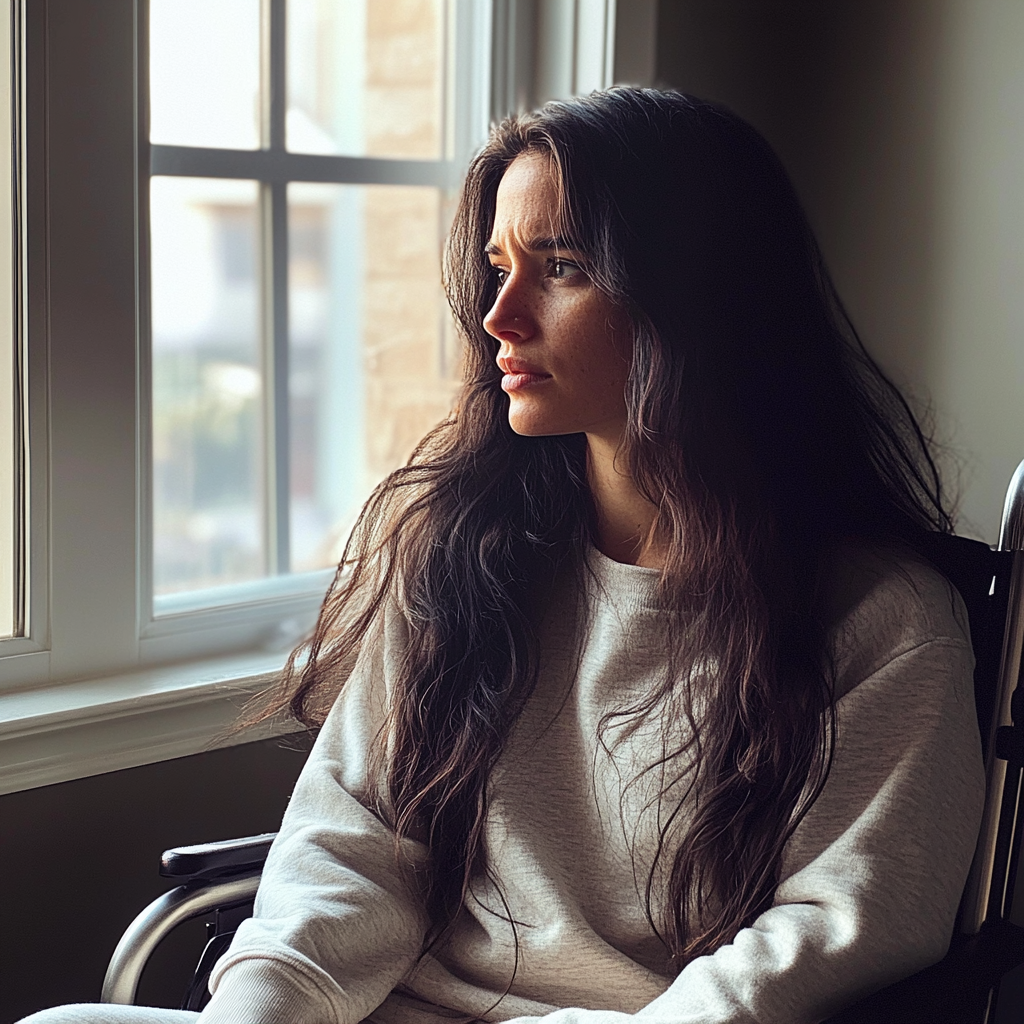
<point x="758" y="426"/>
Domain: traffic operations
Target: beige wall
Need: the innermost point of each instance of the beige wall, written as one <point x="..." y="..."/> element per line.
<point x="976" y="363"/>
<point x="901" y="123"/>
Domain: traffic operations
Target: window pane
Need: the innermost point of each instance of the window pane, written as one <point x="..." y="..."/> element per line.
<point x="208" y="480"/>
<point x="204" y="73"/>
<point x="371" y="369"/>
<point x="9" y="600"/>
<point x="366" y="77"/>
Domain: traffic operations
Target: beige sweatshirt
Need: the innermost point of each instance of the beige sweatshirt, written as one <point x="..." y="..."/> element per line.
<point x="871" y="879"/>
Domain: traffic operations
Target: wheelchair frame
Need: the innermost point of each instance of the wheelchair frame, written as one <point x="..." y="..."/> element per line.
<point x="223" y="877"/>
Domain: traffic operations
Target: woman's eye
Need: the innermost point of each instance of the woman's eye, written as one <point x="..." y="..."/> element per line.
<point x="501" y="274"/>
<point x="564" y="268"/>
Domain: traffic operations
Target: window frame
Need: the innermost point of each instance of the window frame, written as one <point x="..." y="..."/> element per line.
<point x="98" y="681"/>
<point x="14" y="377"/>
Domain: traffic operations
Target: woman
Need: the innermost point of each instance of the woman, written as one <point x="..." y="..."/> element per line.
<point x="647" y="705"/>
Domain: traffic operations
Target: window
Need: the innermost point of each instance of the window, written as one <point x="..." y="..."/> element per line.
<point x="297" y="209"/>
<point x="184" y="458"/>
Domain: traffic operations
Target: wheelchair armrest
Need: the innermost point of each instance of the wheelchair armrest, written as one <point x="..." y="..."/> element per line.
<point x="216" y="860"/>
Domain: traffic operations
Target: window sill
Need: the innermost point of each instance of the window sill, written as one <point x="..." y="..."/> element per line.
<point x="61" y="732"/>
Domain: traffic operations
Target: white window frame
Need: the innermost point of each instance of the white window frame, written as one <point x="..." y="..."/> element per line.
<point x="98" y="681"/>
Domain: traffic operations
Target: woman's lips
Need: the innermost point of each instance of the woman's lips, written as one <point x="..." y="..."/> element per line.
<point x="519" y="374"/>
<point x="515" y="381"/>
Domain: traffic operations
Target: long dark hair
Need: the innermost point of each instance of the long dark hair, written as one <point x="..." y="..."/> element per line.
<point x="758" y="426"/>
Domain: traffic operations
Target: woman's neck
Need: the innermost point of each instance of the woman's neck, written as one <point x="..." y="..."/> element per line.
<point x="624" y="516"/>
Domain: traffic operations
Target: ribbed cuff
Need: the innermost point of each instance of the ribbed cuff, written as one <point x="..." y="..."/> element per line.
<point x="265" y="991"/>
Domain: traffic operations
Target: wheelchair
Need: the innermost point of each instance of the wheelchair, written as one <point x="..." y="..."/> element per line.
<point x="220" y="879"/>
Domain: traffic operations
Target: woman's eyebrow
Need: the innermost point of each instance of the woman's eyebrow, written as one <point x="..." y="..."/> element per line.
<point x="545" y="244"/>
<point x="557" y="244"/>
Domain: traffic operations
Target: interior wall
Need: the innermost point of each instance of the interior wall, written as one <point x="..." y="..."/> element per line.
<point x="901" y="125"/>
<point x="79" y="860"/>
<point x="977" y="365"/>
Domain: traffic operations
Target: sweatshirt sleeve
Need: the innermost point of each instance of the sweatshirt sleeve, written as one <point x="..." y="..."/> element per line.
<point x="872" y="878"/>
<point x="337" y="920"/>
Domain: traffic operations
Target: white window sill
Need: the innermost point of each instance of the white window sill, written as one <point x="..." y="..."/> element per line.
<point x="68" y="731"/>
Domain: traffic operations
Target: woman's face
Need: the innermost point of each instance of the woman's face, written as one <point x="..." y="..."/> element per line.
<point x="565" y="346"/>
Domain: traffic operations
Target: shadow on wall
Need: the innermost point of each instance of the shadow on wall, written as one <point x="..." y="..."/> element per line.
<point x="902" y="125"/>
<point x="79" y="860"/>
<point x="849" y="95"/>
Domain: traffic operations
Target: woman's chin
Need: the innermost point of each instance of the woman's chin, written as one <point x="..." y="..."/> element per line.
<point x="535" y="426"/>
<point x="526" y="428"/>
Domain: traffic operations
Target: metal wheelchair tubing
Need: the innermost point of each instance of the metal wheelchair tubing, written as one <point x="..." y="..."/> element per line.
<point x="161" y="916"/>
<point x="1011" y="531"/>
<point x="981" y="879"/>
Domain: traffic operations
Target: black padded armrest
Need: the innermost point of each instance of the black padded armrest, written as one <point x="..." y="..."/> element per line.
<point x="216" y="860"/>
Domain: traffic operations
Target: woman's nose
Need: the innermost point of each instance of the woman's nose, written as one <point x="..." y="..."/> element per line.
<point x="508" y="319"/>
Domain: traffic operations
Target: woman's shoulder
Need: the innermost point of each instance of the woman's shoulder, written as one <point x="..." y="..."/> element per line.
<point x="883" y="602"/>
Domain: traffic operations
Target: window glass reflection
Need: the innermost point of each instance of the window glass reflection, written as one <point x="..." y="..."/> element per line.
<point x="208" y="523"/>
<point x="204" y="73"/>
<point x="366" y="77"/>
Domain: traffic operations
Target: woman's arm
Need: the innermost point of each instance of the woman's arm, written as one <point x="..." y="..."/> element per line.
<point x="337" y="919"/>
